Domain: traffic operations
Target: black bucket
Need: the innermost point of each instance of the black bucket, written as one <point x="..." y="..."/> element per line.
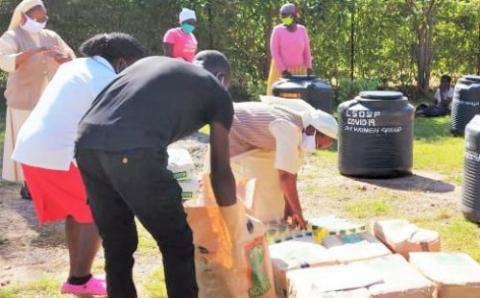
<point x="316" y="92"/>
<point x="465" y="104"/>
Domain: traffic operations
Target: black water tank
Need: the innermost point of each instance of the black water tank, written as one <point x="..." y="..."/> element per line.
<point x="316" y="92"/>
<point x="376" y="135"/>
<point x="471" y="185"/>
<point x="466" y="103"/>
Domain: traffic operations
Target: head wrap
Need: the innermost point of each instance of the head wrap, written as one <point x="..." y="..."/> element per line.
<point x="323" y="122"/>
<point x="21" y="8"/>
<point x="289" y="9"/>
<point x="187" y="14"/>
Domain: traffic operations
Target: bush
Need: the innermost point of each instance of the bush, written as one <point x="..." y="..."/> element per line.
<point x="348" y="89"/>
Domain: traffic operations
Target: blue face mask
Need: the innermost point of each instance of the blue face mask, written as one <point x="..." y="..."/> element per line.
<point x="187" y="28"/>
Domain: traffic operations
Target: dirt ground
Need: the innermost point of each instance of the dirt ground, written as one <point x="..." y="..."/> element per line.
<point x="29" y="251"/>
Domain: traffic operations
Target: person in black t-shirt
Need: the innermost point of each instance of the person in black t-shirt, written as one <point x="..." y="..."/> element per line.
<point x="121" y="153"/>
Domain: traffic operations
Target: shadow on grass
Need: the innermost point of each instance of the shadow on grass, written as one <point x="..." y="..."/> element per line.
<point x="412" y="183"/>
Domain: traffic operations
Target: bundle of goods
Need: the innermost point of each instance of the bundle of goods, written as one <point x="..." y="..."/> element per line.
<point x="347" y="241"/>
<point x="403" y="237"/>
<point x="399" y="279"/>
<point x="280" y="231"/>
<point x="355" y="247"/>
<point x="323" y="227"/>
<point x="456" y="275"/>
<point x="180" y="163"/>
<point x="293" y="255"/>
<point x="332" y="281"/>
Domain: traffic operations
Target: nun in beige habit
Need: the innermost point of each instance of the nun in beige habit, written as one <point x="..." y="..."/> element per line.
<point x="30" y="54"/>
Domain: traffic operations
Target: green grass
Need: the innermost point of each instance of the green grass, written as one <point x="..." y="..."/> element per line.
<point x="48" y="287"/>
<point x="155" y="285"/>
<point x="205" y="130"/>
<point x="436" y="150"/>
<point x="368" y="208"/>
<point x="457" y="234"/>
<point x="146" y="244"/>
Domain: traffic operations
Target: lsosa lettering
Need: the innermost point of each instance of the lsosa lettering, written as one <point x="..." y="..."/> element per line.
<point x="362" y="114"/>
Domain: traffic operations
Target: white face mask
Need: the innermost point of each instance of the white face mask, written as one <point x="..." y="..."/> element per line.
<point x="309" y="143"/>
<point x="33" y="26"/>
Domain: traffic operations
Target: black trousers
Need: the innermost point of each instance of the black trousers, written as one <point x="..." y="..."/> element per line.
<point x="430" y="110"/>
<point x="123" y="185"/>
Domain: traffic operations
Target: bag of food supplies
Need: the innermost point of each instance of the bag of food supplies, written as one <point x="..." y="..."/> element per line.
<point x="231" y="251"/>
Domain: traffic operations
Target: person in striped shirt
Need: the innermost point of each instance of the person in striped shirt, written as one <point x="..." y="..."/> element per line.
<point x="286" y="133"/>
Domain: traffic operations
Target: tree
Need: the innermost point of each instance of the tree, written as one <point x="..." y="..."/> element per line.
<point x="423" y="16"/>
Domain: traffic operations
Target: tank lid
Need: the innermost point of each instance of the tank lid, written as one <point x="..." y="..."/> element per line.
<point x="475" y="122"/>
<point x="387" y="95"/>
<point x="472" y="78"/>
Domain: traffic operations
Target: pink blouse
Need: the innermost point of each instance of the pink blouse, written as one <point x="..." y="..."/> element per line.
<point x="290" y="49"/>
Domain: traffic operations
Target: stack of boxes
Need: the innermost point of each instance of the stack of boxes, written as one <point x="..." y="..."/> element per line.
<point x="350" y="262"/>
<point x="336" y="258"/>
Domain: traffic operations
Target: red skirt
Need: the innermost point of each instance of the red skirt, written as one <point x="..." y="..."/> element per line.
<point x="58" y="194"/>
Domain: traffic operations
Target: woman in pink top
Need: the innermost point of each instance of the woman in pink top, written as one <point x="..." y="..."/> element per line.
<point x="290" y="47"/>
<point x="180" y="42"/>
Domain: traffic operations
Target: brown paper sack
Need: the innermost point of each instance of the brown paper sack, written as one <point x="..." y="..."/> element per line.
<point x="226" y="266"/>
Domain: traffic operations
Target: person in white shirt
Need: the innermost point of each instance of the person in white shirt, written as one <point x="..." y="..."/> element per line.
<point x="443" y="100"/>
<point x="444" y="94"/>
<point x="45" y="150"/>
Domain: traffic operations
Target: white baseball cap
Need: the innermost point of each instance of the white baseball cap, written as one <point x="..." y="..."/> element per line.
<point x="323" y="122"/>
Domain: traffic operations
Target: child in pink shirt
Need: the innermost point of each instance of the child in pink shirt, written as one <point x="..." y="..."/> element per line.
<point x="180" y="42"/>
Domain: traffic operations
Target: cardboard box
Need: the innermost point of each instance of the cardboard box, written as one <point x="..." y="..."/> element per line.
<point x="456" y="275"/>
<point x="402" y="237"/>
<point x="358" y="293"/>
<point x="331" y="281"/>
<point x="180" y="163"/>
<point x="293" y="255"/>
<point x="190" y="189"/>
<point x="400" y="279"/>
<point x="356" y="247"/>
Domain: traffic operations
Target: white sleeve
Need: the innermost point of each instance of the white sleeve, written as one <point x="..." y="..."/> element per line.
<point x="287" y="138"/>
<point x="65" y="48"/>
<point x="450" y="92"/>
<point x="438" y="98"/>
<point x="8" y="53"/>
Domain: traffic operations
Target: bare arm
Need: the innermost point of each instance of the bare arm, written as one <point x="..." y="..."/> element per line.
<point x="24" y="56"/>
<point x="288" y="184"/>
<point x="223" y="182"/>
<point x="168" y="49"/>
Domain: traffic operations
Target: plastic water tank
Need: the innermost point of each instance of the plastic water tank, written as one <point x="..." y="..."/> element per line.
<point x="316" y="92"/>
<point x="466" y="103"/>
<point x="376" y="135"/>
<point x="471" y="185"/>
